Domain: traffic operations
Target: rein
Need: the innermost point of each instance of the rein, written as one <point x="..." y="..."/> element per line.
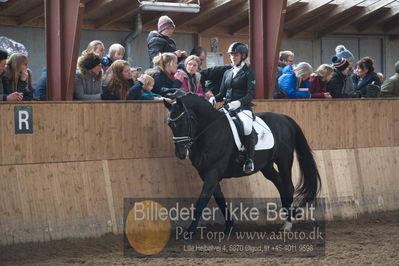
<point x="189" y="140"/>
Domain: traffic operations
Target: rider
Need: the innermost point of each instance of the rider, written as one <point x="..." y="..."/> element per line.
<point x="238" y="87"/>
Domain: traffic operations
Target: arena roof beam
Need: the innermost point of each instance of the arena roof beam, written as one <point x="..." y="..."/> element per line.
<point x="300" y="14"/>
<point x="391" y="24"/>
<point x="294" y="4"/>
<point x="242" y="23"/>
<point x="243" y="7"/>
<point x="4" y="7"/>
<point x="128" y="10"/>
<point x="95" y="5"/>
<point x="327" y="16"/>
<point x="349" y="19"/>
<point x="386" y="16"/>
<point x="266" y="28"/>
<point x="27" y="17"/>
<point x="212" y="6"/>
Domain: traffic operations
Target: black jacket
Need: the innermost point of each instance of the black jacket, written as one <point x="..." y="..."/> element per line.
<point x="163" y="83"/>
<point x="336" y="86"/>
<point x="360" y="86"/>
<point x="22" y="86"/>
<point x="211" y="78"/>
<point x="240" y="88"/>
<point x="158" y="43"/>
<point x="134" y="92"/>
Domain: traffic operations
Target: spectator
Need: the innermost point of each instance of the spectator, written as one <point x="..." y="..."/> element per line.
<point x="88" y="78"/>
<point x="17" y="81"/>
<point x="191" y="76"/>
<point x="286" y="59"/>
<point x="337" y="85"/>
<point x="390" y="88"/>
<point x="381" y="77"/>
<point x="146" y="84"/>
<point x="365" y="78"/>
<point x="15" y="96"/>
<point x="40" y="90"/>
<point x="135" y="73"/>
<point x="160" y="41"/>
<point x="201" y="53"/>
<point x="289" y="83"/>
<point x="318" y="81"/>
<point x="119" y="86"/>
<point x="342" y="52"/>
<point x="166" y="66"/>
<point x="95" y="47"/>
<point x="116" y="52"/>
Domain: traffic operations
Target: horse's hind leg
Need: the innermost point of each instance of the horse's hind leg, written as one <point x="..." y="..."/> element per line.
<point x="221" y="202"/>
<point x="283" y="182"/>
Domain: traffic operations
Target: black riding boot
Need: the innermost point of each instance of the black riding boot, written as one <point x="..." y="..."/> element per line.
<point x="249" y="144"/>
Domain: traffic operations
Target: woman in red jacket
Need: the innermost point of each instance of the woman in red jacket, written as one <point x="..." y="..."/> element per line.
<point x="318" y="81"/>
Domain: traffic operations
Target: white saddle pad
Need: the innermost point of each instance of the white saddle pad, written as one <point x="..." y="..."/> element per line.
<point x="265" y="136"/>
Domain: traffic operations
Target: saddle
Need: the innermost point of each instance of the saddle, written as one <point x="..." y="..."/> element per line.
<point x="240" y="127"/>
<point x="265" y="138"/>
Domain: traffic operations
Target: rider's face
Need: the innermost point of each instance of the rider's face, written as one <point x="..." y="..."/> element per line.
<point x="235" y="58"/>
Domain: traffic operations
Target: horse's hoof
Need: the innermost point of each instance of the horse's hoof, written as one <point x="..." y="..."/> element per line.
<point x="287" y="226"/>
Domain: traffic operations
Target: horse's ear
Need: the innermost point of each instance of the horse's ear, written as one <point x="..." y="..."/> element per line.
<point x="167" y="105"/>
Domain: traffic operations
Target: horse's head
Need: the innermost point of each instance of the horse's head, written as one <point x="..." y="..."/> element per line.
<point x="183" y="124"/>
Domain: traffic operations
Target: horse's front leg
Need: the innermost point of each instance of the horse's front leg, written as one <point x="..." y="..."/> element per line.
<point x="210" y="183"/>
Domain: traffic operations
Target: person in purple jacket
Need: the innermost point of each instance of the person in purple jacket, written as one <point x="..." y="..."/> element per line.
<point x="290" y="83"/>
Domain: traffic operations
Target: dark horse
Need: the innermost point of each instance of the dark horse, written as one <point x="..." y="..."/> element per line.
<point x="204" y="133"/>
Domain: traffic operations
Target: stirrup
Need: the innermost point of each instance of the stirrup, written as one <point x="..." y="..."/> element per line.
<point x="251" y="167"/>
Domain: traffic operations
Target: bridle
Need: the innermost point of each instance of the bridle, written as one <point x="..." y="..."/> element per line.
<point x="188" y="140"/>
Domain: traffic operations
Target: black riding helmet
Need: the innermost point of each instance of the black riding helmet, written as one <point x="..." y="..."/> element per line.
<point x="237" y="47"/>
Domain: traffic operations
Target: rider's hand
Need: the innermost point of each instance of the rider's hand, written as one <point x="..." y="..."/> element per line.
<point x="234" y="105"/>
<point x="212" y="100"/>
<point x="209" y="95"/>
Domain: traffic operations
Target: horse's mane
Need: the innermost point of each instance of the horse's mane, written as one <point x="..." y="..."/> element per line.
<point x="199" y="105"/>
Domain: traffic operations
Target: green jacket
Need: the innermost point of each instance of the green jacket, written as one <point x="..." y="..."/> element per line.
<point x="390" y="88"/>
<point x="147" y="95"/>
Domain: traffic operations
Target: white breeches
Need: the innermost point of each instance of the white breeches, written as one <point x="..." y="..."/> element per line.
<point x="246" y="118"/>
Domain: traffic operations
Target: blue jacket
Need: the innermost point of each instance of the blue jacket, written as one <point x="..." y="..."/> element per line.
<point x="289" y="69"/>
<point x="288" y="84"/>
<point x="40" y="90"/>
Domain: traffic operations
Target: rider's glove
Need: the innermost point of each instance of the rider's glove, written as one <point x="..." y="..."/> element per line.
<point x="234" y="105"/>
<point x="212" y="100"/>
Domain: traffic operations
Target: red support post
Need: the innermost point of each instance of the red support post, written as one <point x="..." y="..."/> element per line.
<point x="266" y="28"/>
<point x="63" y="24"/>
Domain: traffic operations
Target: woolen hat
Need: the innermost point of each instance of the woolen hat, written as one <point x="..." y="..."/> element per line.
<point x="165" y="22"/>
<point x="342" y="52"/>
<point x="91" y="61"/>
<point x="346" y="54"/>
<point x="340" y="63"/>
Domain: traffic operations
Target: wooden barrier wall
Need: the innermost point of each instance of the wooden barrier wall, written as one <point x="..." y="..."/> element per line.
<point x="69" y="178"/>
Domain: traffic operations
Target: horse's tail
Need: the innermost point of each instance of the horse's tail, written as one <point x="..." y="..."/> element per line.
<point x="309" y="184"/>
